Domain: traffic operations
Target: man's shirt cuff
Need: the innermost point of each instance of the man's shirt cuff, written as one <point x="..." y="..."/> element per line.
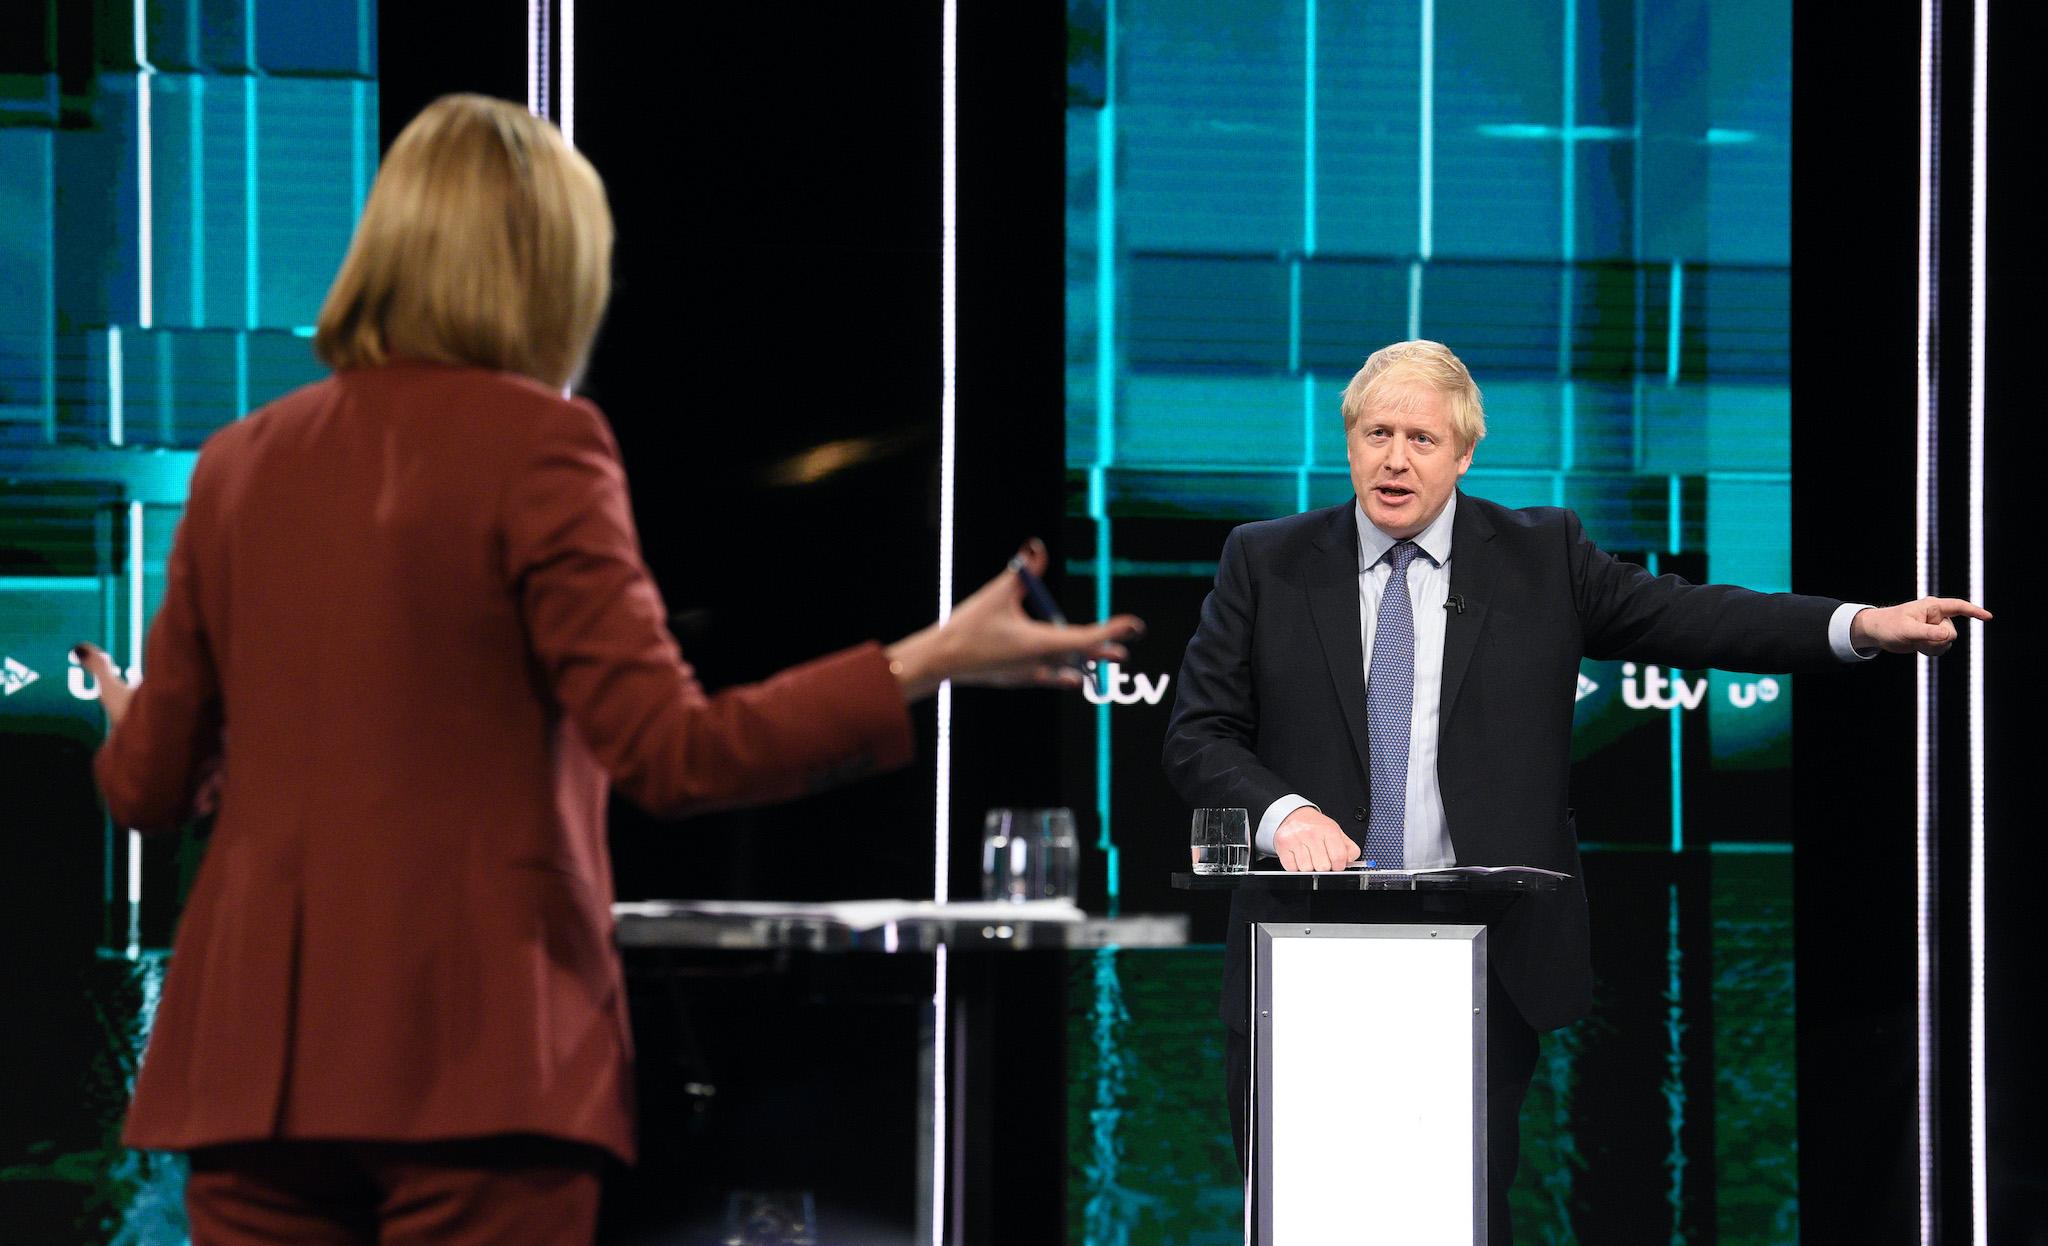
<point x="1276" y="813"/>
<point x="1838" y="634"/>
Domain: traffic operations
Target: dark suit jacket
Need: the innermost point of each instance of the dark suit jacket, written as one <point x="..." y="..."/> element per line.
<point x="410" y="603"/>
<point x="1272" y="701"/>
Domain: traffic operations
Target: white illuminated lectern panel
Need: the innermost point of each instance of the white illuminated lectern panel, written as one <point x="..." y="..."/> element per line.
<point x="1368" y="1104"/>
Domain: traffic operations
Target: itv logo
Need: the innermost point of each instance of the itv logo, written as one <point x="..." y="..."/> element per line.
<point x="1107" y="686"/>
<point x="1659" y="692"/>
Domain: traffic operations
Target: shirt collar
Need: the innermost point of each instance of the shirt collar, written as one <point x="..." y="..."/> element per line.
<point x="1433" y="541"/>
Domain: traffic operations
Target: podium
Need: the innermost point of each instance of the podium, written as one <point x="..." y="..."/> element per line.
<point x="1367" y="1116"/>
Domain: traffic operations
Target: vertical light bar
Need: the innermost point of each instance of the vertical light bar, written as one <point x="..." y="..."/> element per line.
<point x="196" y="83"/>
<point x="252" y="301"/>
<point x="135" y="619"/>
<point x="358" y="147"/>
<point x="134" y="673"/>
<point x="1294" y="313"/>
<point x="1923" y="692"/>
<point x="537" y="57"/>
<point x="1426" y="139"/>
<point x="1673" y="334"/>
<point x="949" y="357"/>
<point x="568" y="88"/>
<point x="1980" y="64"/>
<point x="241" y="373"/>
<point x="942" y="821"/>
<point x="1308" y="132"/>
<point x="117" y="421"/>
<point x="1308" y="438"/>
<point x="145" y="175"/>
<point x="1105" y="424"/>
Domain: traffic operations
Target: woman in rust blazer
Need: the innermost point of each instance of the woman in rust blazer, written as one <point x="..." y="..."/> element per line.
<point x="407" y="613"/>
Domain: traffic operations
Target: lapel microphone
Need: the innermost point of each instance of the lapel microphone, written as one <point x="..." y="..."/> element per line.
<point x="1456" y="602"/>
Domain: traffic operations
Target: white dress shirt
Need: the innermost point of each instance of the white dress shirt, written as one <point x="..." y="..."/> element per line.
<point x="1427" y="842"/>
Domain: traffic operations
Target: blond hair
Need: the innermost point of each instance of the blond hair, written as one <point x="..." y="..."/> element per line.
<point x="486" y="241"/>
<point x="1420" y="362"/>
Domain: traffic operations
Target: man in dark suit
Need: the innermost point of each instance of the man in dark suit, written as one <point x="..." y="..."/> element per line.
<point x="1431" y="725"/>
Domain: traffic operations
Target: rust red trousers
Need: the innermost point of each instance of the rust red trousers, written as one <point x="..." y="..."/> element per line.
<point x="509" y="1191"/>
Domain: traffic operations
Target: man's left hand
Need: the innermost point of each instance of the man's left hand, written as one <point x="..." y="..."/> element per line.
<point x="1922" y="626"/>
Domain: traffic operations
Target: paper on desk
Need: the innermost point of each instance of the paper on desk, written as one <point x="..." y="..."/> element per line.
<point x="861" y="914"/>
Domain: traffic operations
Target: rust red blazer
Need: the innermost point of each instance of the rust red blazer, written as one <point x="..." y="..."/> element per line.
<point x="407" y="606"/>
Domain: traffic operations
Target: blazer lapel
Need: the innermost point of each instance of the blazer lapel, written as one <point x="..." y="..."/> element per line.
<point x="1475" y="562"/>
<point x="1332" y="585"/>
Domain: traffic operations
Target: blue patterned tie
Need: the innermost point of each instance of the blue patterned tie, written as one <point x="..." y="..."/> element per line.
<point x="1389" y="711"/>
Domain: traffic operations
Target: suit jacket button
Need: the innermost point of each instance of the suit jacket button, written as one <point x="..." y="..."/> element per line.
<point x="1358" y="813"/>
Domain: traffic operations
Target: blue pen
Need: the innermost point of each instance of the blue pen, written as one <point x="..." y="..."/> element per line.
<point x="1038" y="601"/>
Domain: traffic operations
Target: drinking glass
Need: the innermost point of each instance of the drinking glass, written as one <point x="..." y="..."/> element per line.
<point x="1029" y="854"/>
<point x="1220" y="841"/>
<point x="770" y="1218"/>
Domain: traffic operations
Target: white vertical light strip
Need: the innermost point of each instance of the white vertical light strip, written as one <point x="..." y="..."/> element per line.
<point x="145" y="174"/>
<point x="1923" y="692"/>
<point x="942" y="797"/>
<point x="117" y="421"/>
<point x="135" y="619"/>
<point x="567" y="105"/>
<point x="537" y="57"/>
<point x="1980" y="114"/>
<point x="145" y="243"/>
<point x="949" y="256"/>
<point x="134" y="674"/>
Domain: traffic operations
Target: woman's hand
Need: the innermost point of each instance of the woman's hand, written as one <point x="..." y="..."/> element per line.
<point x="115" y="692"/>
<point x="989" y="640"/>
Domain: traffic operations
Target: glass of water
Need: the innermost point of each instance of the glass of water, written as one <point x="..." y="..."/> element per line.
<point x="1029" y="854"/>
<point x="1221" y="842"/>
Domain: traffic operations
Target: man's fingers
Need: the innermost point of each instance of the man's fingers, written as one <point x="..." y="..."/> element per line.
<point x="1950" y="607"/>
<point x="1318" y="855"/>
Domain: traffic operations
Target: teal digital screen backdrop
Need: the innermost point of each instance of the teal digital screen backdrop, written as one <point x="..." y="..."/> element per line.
<point x="1589" y="201"/>
<point x="178" y="182"/>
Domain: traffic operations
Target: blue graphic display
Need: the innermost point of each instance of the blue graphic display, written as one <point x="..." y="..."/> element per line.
<point x="1589" y="201"/>
<point x="181" y="182"/>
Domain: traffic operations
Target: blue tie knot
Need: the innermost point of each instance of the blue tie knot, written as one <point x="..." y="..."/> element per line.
<point x="1402" y="553"/>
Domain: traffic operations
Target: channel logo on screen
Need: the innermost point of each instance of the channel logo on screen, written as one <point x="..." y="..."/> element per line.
<point x="15" y="675"/>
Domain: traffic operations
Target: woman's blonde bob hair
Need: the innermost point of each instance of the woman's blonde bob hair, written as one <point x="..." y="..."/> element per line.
<point x="486" y="241"/>
<point x="1393" y="370"/>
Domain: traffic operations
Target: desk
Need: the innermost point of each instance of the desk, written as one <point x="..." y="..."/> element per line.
<point x="956" y="1038"/>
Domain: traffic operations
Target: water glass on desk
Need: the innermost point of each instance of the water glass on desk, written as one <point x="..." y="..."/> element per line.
<point x="1029" y="854"/>
<point x="1220" y="841"/>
